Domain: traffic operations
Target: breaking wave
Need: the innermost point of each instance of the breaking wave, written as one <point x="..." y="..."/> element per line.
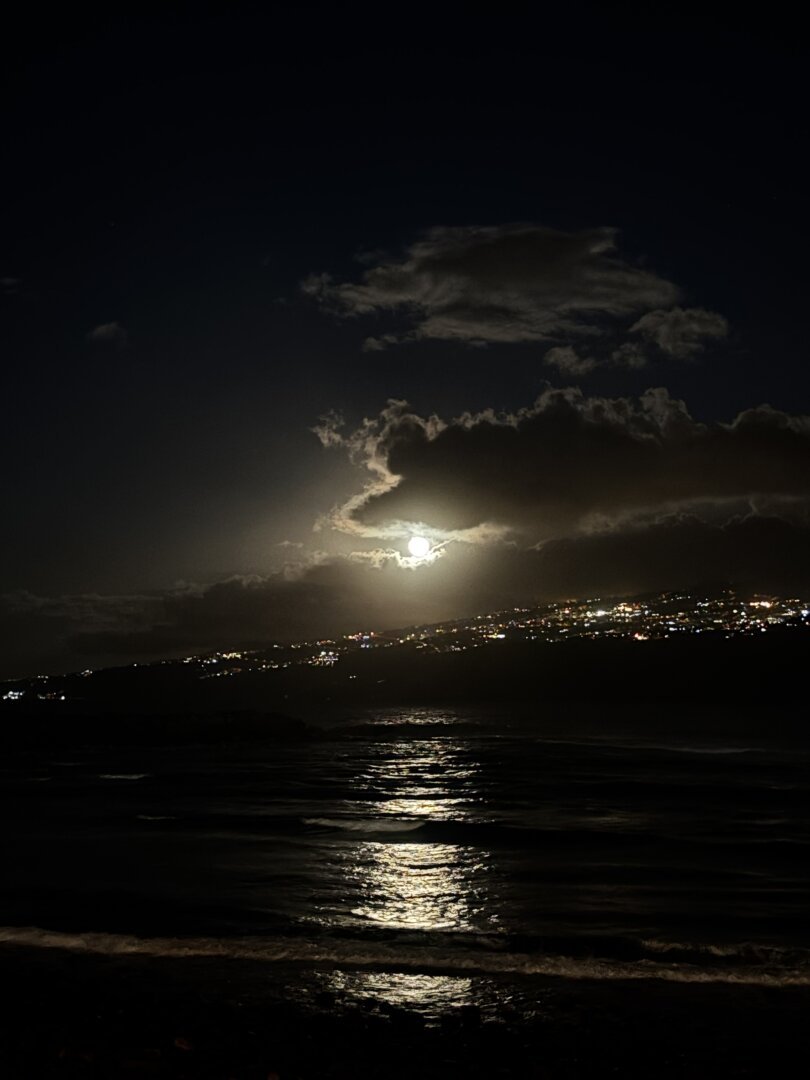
<point x="402" y="956"/>
<point x="124" y="776"/>
<point x="396" y="825"/>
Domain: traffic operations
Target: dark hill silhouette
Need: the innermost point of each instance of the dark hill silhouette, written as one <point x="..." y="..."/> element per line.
<point x="743" y="683"/>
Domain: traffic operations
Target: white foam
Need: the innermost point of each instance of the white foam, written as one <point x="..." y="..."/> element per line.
<point x="353" y="954"/>
<point x="124" y="776"/>
<point x="353" y="825"/>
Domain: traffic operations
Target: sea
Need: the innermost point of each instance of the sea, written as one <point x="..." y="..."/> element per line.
<point x="422" y="859"/>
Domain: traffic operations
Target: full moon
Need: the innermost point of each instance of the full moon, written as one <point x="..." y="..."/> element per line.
<point x="419" y="546"/>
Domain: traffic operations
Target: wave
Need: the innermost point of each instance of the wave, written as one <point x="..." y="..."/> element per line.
<point x="396" y="825"/>
<point x="515" y="835"/>
<point x="397" y="956"/>
<point x="426" y="729"/>
<point x="455" y="831"/>
<point x="124" y="776"/>
<point x="495" y="834"/>
<point x="706" y="749"/>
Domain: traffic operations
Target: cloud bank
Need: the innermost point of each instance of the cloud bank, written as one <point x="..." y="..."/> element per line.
<point x="568" y="464"/>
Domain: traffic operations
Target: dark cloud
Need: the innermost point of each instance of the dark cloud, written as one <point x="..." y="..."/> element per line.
<point x="111" y="333"/>
<point x="567" y="464"/>
<point x="681" y="333"/>
<point x="677" y="334"/>
<point x="760" y="553"/>
<point x="507" y="283"/>
<point x="629" y="354"/>
<point x="37" y="631"/>
<point x="568" y="360"/>
<point x="320" y="598"/>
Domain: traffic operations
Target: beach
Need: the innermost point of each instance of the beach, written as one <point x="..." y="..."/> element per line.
<point x="73" y="1015"/>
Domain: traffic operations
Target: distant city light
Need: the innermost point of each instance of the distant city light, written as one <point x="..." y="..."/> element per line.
<point x="654" y="618"/>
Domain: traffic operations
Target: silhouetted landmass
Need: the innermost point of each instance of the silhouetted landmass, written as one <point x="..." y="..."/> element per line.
<point x="745" y="682"/>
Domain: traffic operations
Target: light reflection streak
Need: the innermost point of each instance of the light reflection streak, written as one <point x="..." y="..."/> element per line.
<point x="416" y="805"/>
<point x="420" y="993"/>
<point x="418" y="886"/>
<point x="410" y="884"/>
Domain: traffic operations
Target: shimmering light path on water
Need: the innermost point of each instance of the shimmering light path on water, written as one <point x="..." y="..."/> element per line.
<point x="398" y="858"/>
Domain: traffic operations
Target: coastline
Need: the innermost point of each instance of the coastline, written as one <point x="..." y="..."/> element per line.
<point x="70" y="1014"/>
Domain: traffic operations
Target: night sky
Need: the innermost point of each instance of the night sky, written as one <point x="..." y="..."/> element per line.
<point x="281" y="292"/>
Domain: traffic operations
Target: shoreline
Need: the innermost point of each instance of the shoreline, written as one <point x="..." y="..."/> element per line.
<point x="72" y="1014"/>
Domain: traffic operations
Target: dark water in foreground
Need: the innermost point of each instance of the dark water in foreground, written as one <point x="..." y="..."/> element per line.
<point x="429" y="860"/>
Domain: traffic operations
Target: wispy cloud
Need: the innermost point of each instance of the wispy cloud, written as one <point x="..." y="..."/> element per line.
<point x="111" y="333"/>
<point x="682" y="332"/>
<point x="505" y="283"/>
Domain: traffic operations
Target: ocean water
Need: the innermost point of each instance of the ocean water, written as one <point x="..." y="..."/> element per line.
<point x="423" y="859"/>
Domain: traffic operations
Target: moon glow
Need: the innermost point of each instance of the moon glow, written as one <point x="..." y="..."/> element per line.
<point x="419" y="546"/>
